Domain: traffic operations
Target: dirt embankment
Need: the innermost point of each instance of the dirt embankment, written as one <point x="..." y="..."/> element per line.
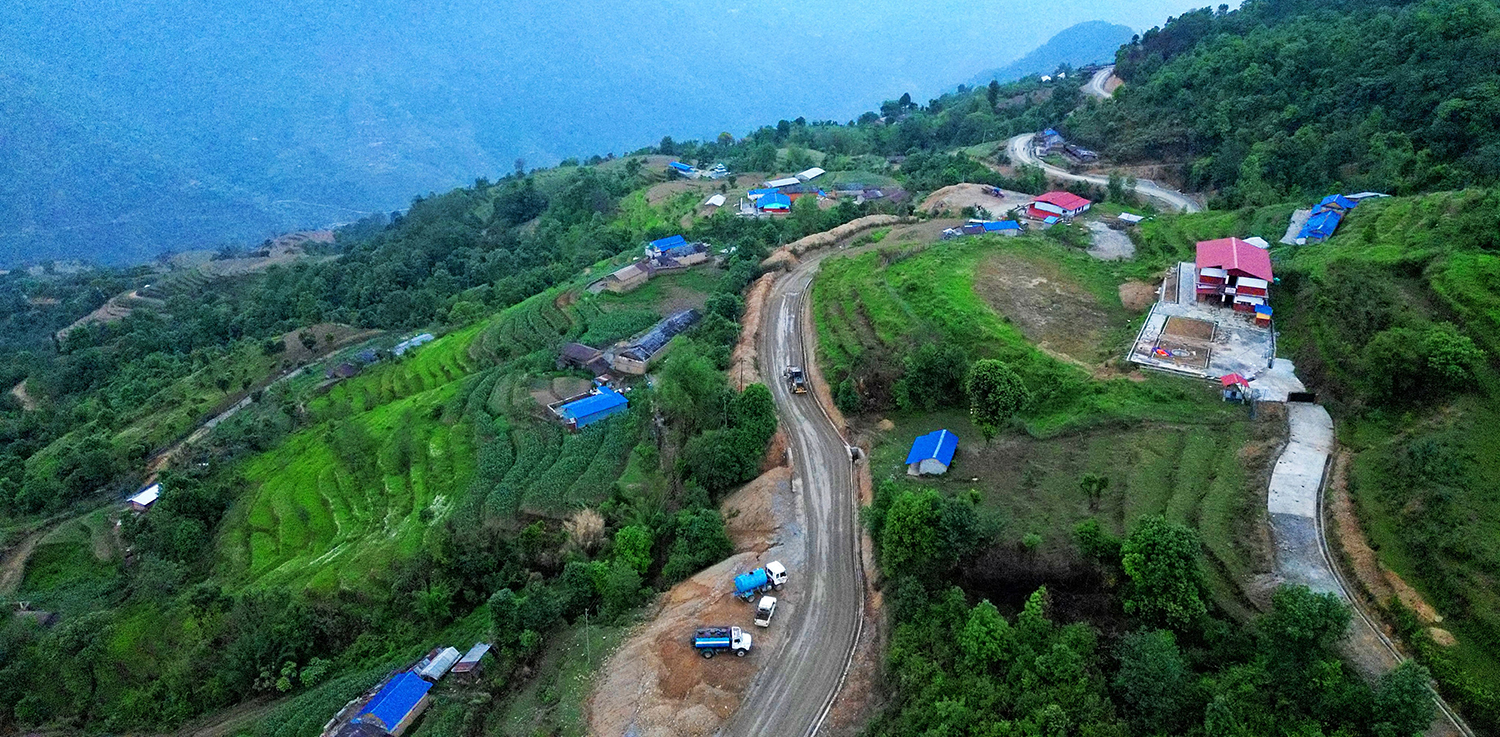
<point x="1379" y="583"/>
<point x="1137" y="296"/>
<point x="742" y="368"/>
<point x="655" y="684"/>
<point x="786" y="255"/>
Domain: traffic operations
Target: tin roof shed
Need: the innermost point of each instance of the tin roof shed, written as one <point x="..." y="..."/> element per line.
<point x="397" y="699"/>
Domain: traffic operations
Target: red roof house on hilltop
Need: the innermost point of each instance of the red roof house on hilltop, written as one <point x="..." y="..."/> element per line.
<point x="1057" y="204"/>
<point x="1233" y="272"/>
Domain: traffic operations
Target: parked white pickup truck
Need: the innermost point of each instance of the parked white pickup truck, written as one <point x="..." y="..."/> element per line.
<point x="764" y="610"/>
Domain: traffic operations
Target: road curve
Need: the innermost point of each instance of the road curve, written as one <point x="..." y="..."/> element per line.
<point x="792" y="696"/>
<point x="1095" y="87"/>
<point x="1021" y="153"/>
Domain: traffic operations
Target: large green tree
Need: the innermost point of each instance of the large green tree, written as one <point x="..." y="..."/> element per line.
<point x="1161" y="560"/>
<point x="995" y="393"/>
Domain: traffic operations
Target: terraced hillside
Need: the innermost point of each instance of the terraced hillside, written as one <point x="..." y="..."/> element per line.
<point x="390" y="454"/>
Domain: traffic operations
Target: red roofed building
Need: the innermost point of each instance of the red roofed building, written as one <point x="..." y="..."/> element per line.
<point x="1233" y="272"/>
<point x="1057" y="204"/>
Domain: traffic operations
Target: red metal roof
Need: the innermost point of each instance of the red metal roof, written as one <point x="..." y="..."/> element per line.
<point x="1233" y="379"/>
<point x="1235" y="255"/>
<point x="1065" y="200"/>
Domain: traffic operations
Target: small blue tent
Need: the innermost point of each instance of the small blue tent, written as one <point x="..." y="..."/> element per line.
<point x="931" y="453"/>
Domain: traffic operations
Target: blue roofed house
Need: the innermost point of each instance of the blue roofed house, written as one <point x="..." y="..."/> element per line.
<point x="931" y="454"/>
<point x="593" y="408"/>
<point x="776" y="203"/>
<point x="684" y="170"/>
<point x="662" y="245"/>
<point x="1002" y="227"/>
<point x="398" y="703"/>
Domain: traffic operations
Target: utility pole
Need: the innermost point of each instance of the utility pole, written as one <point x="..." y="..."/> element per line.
<point x="588" y="655"/>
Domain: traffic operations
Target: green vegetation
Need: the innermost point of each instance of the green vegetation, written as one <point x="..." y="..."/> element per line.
<point x="1393" y="322"/>
<point x="1281" y="100"/>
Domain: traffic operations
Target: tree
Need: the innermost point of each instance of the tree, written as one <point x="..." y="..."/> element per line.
<point x="633" y="547"/>
<point x="621" y="590"/>
<point x="995" y="395"/>
<point x="1153" y="680"/>
<point x="987" y="639"/>
<point x="700" y="540"/>
<point x="993" y="93"/>
<point x="909" y="541"/>
<point x="932" y="377"/>
<point x="1403" y="705"/>
<point x="1095" y="543"/>
<point x="505" y="616"/>
<point x="1161" y="560"/>
<point x="1301" y="628"/>
<point x="1451" y="356"/>
<point x="309" y="341"/>
<point x="1093" y="487"/>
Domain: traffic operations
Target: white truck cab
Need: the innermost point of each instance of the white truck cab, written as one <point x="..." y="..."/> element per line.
<point x="764" y="611"/>
<point x="776" y="574"/>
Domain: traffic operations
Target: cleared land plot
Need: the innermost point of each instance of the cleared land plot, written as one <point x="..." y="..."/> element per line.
<point x="1187" y="327"/>
<point x="1051" y="307"/>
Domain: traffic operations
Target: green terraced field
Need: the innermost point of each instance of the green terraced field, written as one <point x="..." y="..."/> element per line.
<point x="389" y="456"/>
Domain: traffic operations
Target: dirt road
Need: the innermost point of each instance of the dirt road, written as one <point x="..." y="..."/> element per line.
<point x="793" y="696"/>
<point x="1021" y="153"/>
<point x="1095" y="87"/>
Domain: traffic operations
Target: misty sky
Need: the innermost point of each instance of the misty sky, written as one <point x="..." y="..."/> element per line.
<point x="357" y="104"/>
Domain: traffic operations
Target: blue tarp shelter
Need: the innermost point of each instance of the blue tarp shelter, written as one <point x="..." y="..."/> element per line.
<point x="1337" y="201"/>
<point x="931" y="453"/>
<point x="593" y="408"/>
<point x="1321" y="225"/>
<point x="996" y="226"/>
<point x="397" y="703"/>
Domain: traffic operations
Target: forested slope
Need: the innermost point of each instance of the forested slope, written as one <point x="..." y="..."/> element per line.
<point x="1288" y="98"/>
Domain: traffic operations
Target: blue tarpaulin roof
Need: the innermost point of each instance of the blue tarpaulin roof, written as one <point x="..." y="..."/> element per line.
<point x="668" y="242"/>
<point x="1321" y="225"/>
<point x="1337" y="200"/>
<point x="938" y="444"/>
<point x="396" y="699"/>
<point x="606" y="400"/>
<point x="995" y="225"/>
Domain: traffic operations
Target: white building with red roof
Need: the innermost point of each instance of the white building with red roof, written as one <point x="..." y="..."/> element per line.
<point x="1233" y="272"/>
<point x="1057" y="205"/>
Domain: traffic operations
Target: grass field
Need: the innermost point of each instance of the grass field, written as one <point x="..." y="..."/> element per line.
<point x="1168" y="445"/>
<point x="73" y="567"/>
<point x="877" y="305"/>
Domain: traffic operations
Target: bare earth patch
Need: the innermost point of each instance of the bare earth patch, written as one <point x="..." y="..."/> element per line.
<point x="27" y="401"/>
<point x="656" y="684"/>
<point x="1051" y="309"/>
<point x="1137" y="296"/>
<point x="955" y="198"/>
<point x="742" y="370"/>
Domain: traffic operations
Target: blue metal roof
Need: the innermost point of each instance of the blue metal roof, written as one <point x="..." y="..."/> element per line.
<point x="607" y="399"/>
<point x="774" y="200"/>
<point x="757" y="192"/>
<point x="995" y="225"/>
<point x="1049" y="132"/>
<point x="939" y="444"/>
<point x="396" y="699"/>
<point x="668" y="242"/>
<point x="679" y="166"/>
<point x="1321" y="225"/>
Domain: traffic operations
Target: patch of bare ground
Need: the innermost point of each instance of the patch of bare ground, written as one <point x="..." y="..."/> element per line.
<point x="327" y="337"/>
<point x="1137" y="296"/>
<point x="655" y="684"/>
<point x="27" y="402"/>
<point x="742" y="362"/>
<point x="659" y="193"/>
<point x="1112" y="84"/>
<point x="954" y="198"/>
<point x="1379" y="583"/>
<point x="117" y="308"/>
<point x="1051" y="309"/>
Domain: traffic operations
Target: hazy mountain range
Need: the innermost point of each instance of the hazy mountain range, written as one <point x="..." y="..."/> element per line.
<point x="131" y="127"/>
<point x="1085" y="43"/>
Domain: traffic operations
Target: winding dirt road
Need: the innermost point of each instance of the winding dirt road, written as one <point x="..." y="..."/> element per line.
<point x="793" y="696"/>
<point x="1021" y="153"/>
<point x="1095" y="87"/>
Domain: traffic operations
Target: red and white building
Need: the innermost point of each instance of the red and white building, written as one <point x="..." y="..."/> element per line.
<point x="1057" y="204"/>
<point x="1234" y="273"/>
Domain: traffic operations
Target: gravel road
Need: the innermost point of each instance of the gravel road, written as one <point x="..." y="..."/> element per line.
<point x="792" y="696"/>
<point x="1021" y="153"/>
